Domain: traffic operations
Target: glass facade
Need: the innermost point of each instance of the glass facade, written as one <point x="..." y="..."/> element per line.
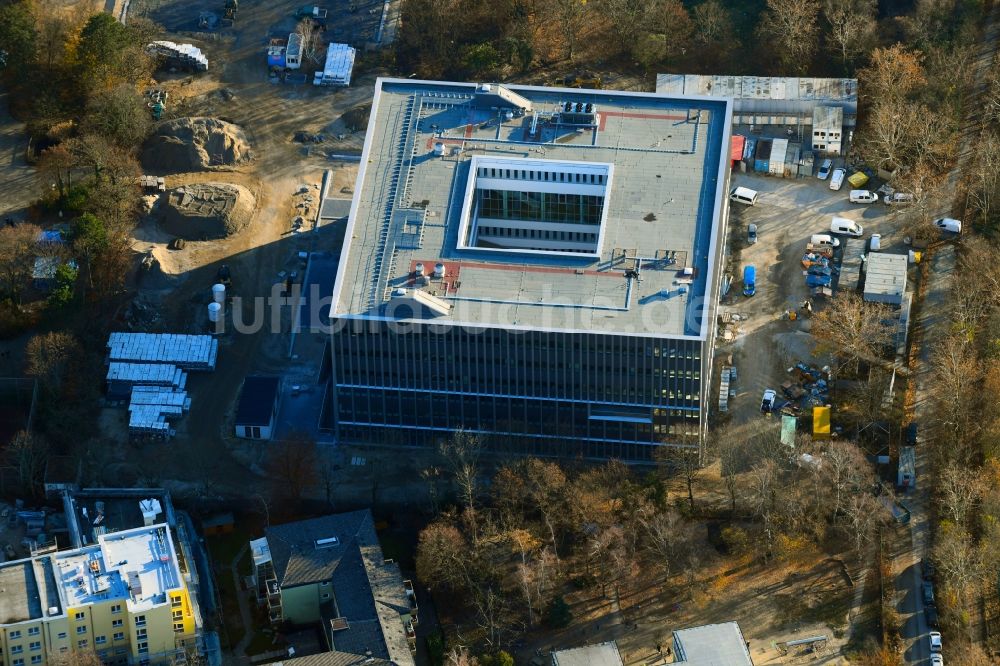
<point x="538" y="393"/>
<point x="540" y="206"/>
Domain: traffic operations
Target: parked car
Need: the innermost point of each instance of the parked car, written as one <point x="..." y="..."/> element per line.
<point x="875" y="243"/>
<point x="930" y="616"/>
<point x="935" y="641"/>
<point x="927" y="569"/>
<point x="767" y="401"/>
<point x="927" y="589"/>
<point x="937" y="660"/>
<point x="744" y="195"/>
<point x="818" y="281"/>
<point x="949" y="224"/>
<point x="843" y="225"/>
<point x="837" y="179"/>
<point x="824" y="240"/>
<point x="824" y="169"/>
<point x="751" y="234"/>
<point x="749" y="280"/>
<point x="899" y="199"/>
<point x="863" y="196"/>
<point x="911" y="440"/>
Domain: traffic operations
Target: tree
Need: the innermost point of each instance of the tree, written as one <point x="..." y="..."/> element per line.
<point x="852" y="27"/>
<point x="864" y="515"/>
<point x="119" y="115"/>
<point x="292" y="466"/>
<point x="714" y="29"/>
<point x="18" y="247"/>
<point x="559" y="614"/>
<point x="109" y="54"/>
<point x="675" y="21"/>
<point x="55" y="166"/>
<point x="627" y="18"/>
<point x="854" y="330"/>
<point x="442" y="555"/>
<point x="984" y="176"/>
<point x="570" y="16"/>
<point x="28" y="454"/>
<point x="665" y="537"/>
<point x="682" y="460"/>
<point x="793" y="27"/>
<point x="957" y="558"/>
<point x="18" y="38"/>
<point x="65" y="280"/>
<point x="956" y="393"/>
<point x="89" y="237"/>
<point x="893" y="73"/>
<point x="461" y="454"/>
<point x="847" y="472"/>
<point x="959" y="489"/>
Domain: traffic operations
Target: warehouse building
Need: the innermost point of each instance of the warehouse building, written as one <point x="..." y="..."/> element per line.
<point x="539" y="266"/>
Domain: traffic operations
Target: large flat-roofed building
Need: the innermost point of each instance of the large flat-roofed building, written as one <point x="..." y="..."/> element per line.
<point x="123" y="598"/>
<point x="538" y="265"/>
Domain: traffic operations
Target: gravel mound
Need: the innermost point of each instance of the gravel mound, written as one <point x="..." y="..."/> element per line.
<point x="196" y="144"/>
<point x="206" y="211"/>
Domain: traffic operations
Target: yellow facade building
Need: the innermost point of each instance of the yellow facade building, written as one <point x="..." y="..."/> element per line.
<point x="122" y="598"/>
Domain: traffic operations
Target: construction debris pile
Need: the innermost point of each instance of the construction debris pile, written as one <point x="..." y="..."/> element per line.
<point x="196" y="144"/>
<point x="205" y="211"/>
<point x="809" y="387"/>
<point x="180" y="56"/>
<point x="149" y="369"/>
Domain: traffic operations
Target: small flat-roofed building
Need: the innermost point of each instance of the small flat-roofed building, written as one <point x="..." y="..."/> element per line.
<point x="601" y="654"/>
<point x="712" y="645"/>
<point x="540" y="266"/>
<point x="257" y="408"/>
<point x="885" y="278"/>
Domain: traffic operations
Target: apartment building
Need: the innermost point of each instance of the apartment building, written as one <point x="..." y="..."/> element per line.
<point x="122" y="598"/>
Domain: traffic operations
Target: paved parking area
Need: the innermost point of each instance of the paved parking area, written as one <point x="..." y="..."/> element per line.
<point x="787" y="213"/>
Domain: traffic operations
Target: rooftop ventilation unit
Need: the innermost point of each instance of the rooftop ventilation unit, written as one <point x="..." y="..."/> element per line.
<point x="328" y="542"/>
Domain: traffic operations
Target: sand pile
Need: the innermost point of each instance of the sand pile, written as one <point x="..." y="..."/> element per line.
<point x="205" y="211"/>
<point x="196" y="144"/>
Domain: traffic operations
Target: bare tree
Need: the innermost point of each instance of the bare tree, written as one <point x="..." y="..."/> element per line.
<point x="29" y="453"/>
<point x="18" y="248"/>
<point x="984" y="175"/>
<point x="854" y="329"/>
<point x="761" y="493"/>
<point x="852" y="26"/>
<point x="959" y="490"/>
<point x="570" y="16"/>
<point x="846" y="471"/>
<point x="627" y="18"/>
<point x="956" y="392"/>
<point x="864" y="515"/>
<point x="666" y="538"/>
<point x="442" y="555"/>
<point x="461" y="454"/>
<point x="675" y="22"/>
<point x="957" y="559"/>
<point x="893" y="73"/>
<point x="713" y="24"/>
<point x="292" y="466"/>
<point x="793" y="27"/>
<point x="49" y="356"/>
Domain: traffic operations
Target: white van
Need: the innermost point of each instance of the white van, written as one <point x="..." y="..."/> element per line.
<point x="949" y="224"/>
<point x="743" y="195"/>
<point x="842" y="225"/>
<point x="863" y="196"/>
<point x="899" y="199"/>
<point x="824" y="239"/>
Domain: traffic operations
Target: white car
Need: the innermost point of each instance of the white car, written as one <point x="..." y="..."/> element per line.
<point x="837" y="179"/>
<point x="768" y="400"/>
<point x="898" y="199"/>
<point x="863" y="196"/>
<point x="824" y="169"/>
<point x="935" y="641"/>
<point x="937" y="660"/>
<point x="875" y="244"/>
<point x="949" y="224"/>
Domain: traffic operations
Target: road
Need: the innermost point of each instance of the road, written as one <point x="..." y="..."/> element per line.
<point x="932" y="321"/>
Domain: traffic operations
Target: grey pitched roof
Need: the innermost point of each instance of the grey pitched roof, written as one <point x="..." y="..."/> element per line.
<point x="297" y="560"/>
<point x="367" y="591"/>
<point x="334" y="658"/>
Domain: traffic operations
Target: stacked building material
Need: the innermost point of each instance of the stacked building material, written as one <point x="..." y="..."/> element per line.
<point x="187" y="56"/>
<point x="188" y="352"/>
<point x="151" y="409"/>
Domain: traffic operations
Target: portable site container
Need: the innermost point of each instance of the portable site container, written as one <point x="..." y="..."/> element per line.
<point x="762" y="156"/>
<point x="776" y="164"/>
<point x="906" y="475"/>
<point x="736" y="151"/>
<point x="749" y="148"/>
<point x="821" y="423"/>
